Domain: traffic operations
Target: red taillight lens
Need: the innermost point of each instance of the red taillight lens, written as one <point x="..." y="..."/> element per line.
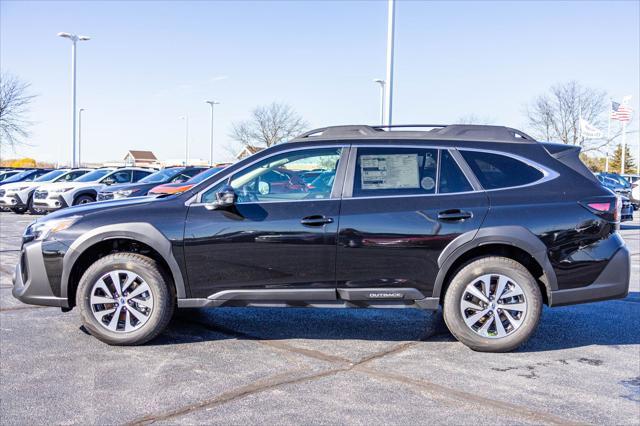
<point x="601" y="207"/>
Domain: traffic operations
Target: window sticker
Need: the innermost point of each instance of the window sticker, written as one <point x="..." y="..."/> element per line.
<point x="391" y="171"/>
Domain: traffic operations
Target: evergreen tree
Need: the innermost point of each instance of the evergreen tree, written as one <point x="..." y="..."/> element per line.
<point x="615" y="160"/>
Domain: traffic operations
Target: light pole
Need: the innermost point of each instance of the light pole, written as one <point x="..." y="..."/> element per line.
<point x="80" y="137"/>
<point x="382" y="84"/>
<point x="388" y="95"/>
<point x="186" y="139"/>
<point x="74" y="40"/>
<point x="211" y="104"/>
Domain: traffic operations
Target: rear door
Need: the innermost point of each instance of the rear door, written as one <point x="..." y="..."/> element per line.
<point x="401" y="207"/>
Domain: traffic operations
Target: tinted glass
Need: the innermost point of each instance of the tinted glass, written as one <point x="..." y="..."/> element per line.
<point x="279" y="178"/>
<point x="139" y="174"/>
<point x="71" y="176"/>
<point x="94" y="175"/>
<point x="192" y="172"/>
<point x="121" y="176"/>
<point x="50" y="176"/>
<point x="160" y="176"/>
<point x="204" y="175"/>
<point x="451" y="177"/>
<point x="499" y="171"/>
<point x="395" y="171"/>
<point x="22" y="176"/>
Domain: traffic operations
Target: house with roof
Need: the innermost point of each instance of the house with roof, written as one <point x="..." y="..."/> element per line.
<point x="140" y="159"/>
<point x="247" y="151"/>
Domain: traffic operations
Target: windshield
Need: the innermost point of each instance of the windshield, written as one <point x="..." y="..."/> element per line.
<point x="161" y="176"/>
<point x="204" y="175"/>
<point x="18" y="177"/>
<point x="50" y="176"/>
<point x="94" y="175"/>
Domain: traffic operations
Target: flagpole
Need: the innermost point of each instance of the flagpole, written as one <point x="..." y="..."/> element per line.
<point x="624" y="146"/>
<point x="608" y="148"/>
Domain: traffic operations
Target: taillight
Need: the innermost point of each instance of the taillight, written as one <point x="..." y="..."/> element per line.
<point x="607" y="208"/>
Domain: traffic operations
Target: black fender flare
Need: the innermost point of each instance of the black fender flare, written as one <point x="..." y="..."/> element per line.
<point x="516" y="236"/>
<point x="138" y="231"/>
<point x="91" y="192"/>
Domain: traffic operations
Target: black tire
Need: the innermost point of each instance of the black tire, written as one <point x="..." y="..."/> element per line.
<point x="83" y="199"/>
<point x="19" y="210"/>
<point x="163" y="298"/>
<point x="473" y="270"/>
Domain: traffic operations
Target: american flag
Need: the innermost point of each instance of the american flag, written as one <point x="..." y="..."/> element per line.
<point x="620" y="112"/>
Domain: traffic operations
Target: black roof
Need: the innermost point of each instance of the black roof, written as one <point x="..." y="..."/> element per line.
<point x="458" y="132"/>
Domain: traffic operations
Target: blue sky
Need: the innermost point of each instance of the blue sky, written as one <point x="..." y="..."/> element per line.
<point x="149" y="63"/>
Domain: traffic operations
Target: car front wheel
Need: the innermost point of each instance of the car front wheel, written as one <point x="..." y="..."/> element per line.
<point x="493" y="304"/>
<point x="124" y="299"/>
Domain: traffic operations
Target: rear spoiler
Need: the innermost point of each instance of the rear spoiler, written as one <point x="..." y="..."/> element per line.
<point x="569" y="155"/>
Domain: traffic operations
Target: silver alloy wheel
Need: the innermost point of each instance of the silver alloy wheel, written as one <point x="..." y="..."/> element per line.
<point x="493" y="306"/>
<point x="121" y="301"/>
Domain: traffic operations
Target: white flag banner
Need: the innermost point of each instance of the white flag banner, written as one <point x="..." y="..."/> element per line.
<point x="589" y="131"/>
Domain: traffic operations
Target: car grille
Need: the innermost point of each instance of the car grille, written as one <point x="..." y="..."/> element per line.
<point x="105" y="196"/>
<point x="40" y="195"/>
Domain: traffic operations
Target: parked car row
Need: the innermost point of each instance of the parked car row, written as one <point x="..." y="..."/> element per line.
<point x="625" y="191"/>
<point x="39" y="191"/>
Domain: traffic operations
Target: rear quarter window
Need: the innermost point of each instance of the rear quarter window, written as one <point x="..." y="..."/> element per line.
<point x="495" y="171"/>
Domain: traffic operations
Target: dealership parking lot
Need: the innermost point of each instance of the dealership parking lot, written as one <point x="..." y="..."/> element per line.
<point x="245" y="365"/>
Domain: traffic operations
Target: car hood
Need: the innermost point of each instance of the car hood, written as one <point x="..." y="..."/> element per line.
<point x="15" y="185"/>
<point x="130" y="187"/>
<point x="87" y="209"/>
<point x="74" y="185"/>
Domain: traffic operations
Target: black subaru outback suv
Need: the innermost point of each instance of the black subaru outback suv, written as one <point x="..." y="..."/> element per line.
<point x="483" y="220"/>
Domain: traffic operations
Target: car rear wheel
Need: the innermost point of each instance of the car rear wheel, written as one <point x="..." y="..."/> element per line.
<point x="124" y="299"/>
<point x="493" y="304"/>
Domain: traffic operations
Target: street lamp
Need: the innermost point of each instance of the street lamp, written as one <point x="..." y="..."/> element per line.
<point x="80" y="136"/>
<point x="74" y="40"/>
<point x="186" y="139"/>
<point x="211" y="104"/>
<point x="388" y="96"/>
<point x="382" y="84"/>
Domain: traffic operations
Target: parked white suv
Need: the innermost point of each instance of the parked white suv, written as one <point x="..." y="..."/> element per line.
<point x="58" y="195"/>
<point x="18" y="196"/>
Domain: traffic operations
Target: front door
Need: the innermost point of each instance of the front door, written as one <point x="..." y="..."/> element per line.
<point x="280" y="234"/>
<point x="402" y="209"/>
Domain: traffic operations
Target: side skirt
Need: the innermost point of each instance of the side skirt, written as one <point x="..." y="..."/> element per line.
<point x="317" y="298"/>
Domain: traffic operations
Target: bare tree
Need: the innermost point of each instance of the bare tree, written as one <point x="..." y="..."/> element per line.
<point x="14" y="105"/>
<point x="268" y="126"/>
<point x="556" y="115"/>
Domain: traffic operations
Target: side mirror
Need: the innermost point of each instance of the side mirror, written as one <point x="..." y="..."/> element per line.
<point x="225" y="198"/>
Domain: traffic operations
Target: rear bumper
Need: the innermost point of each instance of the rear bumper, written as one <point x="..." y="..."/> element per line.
<point x="612" y="283"/>
<point x="30" y="281"/>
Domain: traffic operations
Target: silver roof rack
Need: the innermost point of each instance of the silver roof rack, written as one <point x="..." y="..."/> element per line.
<point x="437" y="131"/>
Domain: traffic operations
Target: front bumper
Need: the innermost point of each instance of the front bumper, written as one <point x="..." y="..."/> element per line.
<point x="612" y="283"/>
<point x="11" y="200"/>
<point x="30" y="281"/>
<point x="50" y="203"/>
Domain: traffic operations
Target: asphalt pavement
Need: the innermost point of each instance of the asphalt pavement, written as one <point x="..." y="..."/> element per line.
<point x="317" y="366"/>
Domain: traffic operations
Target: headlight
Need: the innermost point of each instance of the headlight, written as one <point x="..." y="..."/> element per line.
<point x="123" y="193"/>
<point x="60" y="190"/>
<point x="42" y="230"/>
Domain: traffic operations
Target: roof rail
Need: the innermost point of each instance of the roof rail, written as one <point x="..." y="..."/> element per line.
<point x="438" y="131"/>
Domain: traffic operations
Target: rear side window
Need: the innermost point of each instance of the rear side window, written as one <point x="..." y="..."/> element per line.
<point x="496" y="171"/>
<point x="395" y="171"/>
<point x="451" y="177"/>
<point x="139" y="174"/>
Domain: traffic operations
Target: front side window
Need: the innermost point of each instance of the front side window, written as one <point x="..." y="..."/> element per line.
<point x="120" y="176"/>
<point x="495" y="171"/>
<point x="280" y="177"/>
<point x="395" y="171"/>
